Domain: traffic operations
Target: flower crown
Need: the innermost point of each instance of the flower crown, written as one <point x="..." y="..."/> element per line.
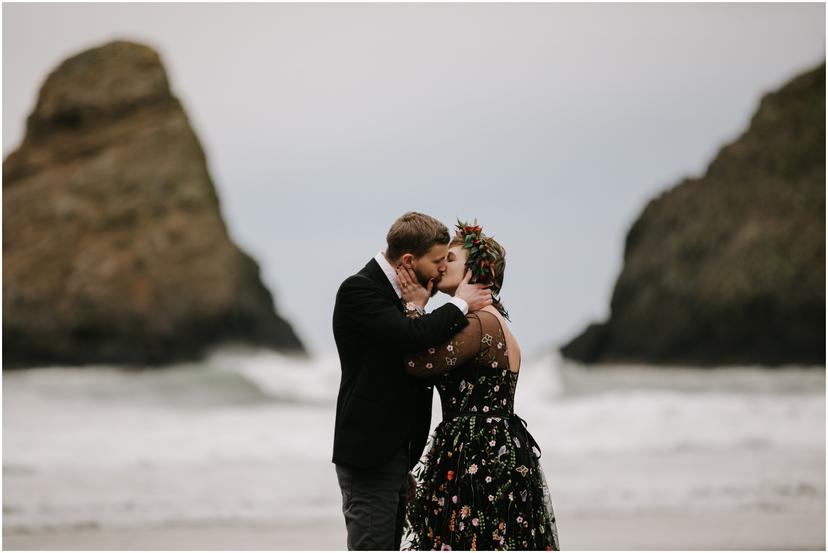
<point x="481" y="257"/>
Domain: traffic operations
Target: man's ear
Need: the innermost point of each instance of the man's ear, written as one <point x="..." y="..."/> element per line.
<point x="407" y="260"/>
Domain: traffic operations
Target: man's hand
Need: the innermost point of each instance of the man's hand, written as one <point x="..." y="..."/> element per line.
<point x="412" y="486"/>
<point x="477" y="296"/>
<point x="411" y="289"/>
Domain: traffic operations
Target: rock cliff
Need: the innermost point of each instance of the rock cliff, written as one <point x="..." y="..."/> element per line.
<point x="729" y="268"/>
<point x="114" y="246"/>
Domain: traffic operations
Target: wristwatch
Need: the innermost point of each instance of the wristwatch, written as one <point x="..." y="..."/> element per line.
<point x="412" y="307"/>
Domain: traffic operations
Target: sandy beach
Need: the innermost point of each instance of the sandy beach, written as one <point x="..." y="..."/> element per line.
<point x="601" y="531"/>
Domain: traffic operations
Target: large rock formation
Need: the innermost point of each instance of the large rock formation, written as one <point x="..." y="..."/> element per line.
<point x="114" y="247"/>
<point x="730" y="268"/>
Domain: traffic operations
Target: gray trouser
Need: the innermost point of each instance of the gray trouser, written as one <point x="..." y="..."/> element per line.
<point x="373" y="502"/>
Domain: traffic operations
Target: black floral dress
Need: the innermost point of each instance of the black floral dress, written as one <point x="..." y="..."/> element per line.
<point x="481" y="485"/>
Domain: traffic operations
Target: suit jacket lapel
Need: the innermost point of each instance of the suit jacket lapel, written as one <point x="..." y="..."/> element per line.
<point x="373" y="271"/>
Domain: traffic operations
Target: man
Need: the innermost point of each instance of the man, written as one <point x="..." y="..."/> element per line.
<point x="383" y="415"/>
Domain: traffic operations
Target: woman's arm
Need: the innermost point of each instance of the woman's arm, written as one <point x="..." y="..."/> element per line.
<point x="440" y="359"/>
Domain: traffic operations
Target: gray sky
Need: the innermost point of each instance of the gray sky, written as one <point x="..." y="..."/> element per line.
<point x="553" y="124"/>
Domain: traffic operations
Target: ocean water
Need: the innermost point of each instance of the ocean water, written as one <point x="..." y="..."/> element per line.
<point x="246" y="436"/>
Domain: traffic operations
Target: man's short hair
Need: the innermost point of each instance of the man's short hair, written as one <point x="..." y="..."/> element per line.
<point x="414" y="233"/>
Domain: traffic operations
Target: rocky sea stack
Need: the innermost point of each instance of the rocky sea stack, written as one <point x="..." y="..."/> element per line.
<point x="114" y="246"/>
<point x="729" y="268"/>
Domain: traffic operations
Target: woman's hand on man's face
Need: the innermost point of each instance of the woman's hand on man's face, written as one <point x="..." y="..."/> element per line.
<point x="410" y="287"/>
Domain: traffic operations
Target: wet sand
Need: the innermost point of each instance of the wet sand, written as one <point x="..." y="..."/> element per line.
<point x="663" y="530"/>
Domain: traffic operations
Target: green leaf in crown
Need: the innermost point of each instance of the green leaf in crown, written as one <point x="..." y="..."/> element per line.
<point x="481" y="258"/>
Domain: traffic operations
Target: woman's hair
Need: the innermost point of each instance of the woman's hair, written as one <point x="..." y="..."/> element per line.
<point x="415" y="233"/>
<point x="499" y="269"/>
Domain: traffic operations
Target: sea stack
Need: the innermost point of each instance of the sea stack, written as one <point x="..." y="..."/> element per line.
<point x="114" y="247"/>
<point x="729" y="268"/>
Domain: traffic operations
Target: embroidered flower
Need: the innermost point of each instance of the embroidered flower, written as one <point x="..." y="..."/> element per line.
<point x="494" y="364"/>
<point x="487" y="339"/>
<point x="431" y="350"/>
<point x="491" y="497"/>
<point x="485" y="408"/>
<point x="449" y="347"/>
<point x="454" y="499"/>
<point x="488" y="479"/>
<point x="511" y="496"/>
<point x="462" y="525"/>
<point x="441" y="501"/>
<point x="446" y="547"/>
<point x="429" y="365"/>
<point x="411" y="363"/>
<point x="473" y="469"/>
<point x="450" y="475"/>
<point x="493" y="443"/>
<point x="475" y="522"/>
<point x="520" y="519"/>
<point x="522" y="470"/>
<point x="499" y="345"/>
<point x="497" y="388"/>
<point x="465" y="511"/>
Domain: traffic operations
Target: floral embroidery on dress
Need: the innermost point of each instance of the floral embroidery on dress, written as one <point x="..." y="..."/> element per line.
<point x="480" y="463"/>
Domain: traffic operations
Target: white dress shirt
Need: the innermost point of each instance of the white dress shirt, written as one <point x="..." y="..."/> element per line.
<point x="391" y="273"/>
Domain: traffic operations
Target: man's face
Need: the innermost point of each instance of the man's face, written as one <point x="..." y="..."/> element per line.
<point x="430" y="266"/>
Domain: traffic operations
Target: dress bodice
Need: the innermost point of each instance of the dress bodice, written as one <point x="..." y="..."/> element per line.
<point x="471" y="371"/>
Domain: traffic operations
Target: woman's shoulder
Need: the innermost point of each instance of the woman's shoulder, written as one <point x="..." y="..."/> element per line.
<point x="492" y="310"/>
<point x="492" y="320"/>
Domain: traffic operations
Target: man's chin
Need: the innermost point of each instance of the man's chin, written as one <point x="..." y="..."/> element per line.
<point x="434" y="289"/>
<point x="445" y="288"/>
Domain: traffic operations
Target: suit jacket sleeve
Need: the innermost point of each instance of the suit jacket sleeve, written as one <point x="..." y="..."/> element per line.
<point x="364" y="305"/>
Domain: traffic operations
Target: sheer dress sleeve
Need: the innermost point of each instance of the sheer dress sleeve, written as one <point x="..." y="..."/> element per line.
<point x="440" y="359"/>
<point x="481" y="334"/>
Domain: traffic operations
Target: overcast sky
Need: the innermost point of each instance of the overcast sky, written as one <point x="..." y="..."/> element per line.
<point x="553" y="124"/>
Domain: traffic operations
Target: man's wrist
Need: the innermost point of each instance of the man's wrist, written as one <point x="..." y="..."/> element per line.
<point x="461" y="304"/>
<point x="413" y="310"/>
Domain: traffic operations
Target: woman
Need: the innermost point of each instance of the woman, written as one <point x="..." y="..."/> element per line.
<point x="482" y="486"/>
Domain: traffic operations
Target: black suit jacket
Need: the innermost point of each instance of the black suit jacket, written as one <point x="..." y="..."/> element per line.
<point x="380" y="408"/>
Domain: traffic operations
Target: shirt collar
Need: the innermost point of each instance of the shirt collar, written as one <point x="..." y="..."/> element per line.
<point x="389" y="271"/>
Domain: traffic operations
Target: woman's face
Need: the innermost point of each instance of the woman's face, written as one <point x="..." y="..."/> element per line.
<point x="456" y="269"/>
